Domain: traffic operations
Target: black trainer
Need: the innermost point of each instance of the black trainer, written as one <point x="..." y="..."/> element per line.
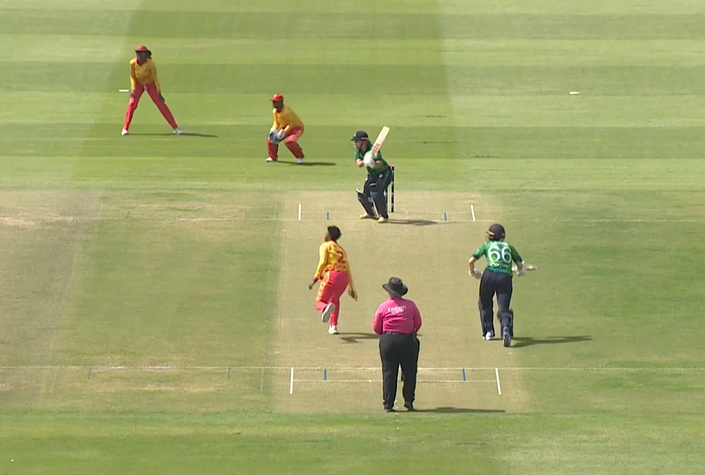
<point x="409" y="406"/>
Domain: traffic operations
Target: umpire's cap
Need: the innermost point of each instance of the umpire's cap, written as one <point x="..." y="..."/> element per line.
<point x="496" y="232"/>
<point x="360" y="135"/>
<point x="395" y="287"/>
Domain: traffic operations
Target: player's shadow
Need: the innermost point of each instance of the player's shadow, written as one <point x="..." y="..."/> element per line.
<point x="353" y="337"/>
<point x="461" y="410"/>
<point x="311" y="164"/>
<point x="196" y="134"/>
<point x="165" y="134"/>
<point x="519" y="342"/>
<point x="412" y="222"/>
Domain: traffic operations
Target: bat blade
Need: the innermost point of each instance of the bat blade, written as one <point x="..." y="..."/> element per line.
<point x="380" y="140"/>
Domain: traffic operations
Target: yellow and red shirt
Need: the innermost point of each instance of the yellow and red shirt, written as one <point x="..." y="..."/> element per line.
<point x="145" y="73"/>
<point x="333" y="258"/>
<point x="286" y="119"/>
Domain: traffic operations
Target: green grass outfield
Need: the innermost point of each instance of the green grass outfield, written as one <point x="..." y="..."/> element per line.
<point x="153" y="288"/>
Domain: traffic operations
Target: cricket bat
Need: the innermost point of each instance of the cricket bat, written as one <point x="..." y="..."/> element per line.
<point x="528" y="267"/>
<point x="379" y="140"/>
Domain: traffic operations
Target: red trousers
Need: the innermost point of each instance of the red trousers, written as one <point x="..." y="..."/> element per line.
<point x="154" y="94"/>
<point x="330" y="290"/>
<point x="291" y="140"/>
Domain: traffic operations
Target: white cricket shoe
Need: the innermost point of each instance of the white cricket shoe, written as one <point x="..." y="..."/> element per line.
<point x="125" y="131"/>
<point x="382" y="220"/>
<point x="299" y="161"/>
<point x="325" y="315"/>
<point x="333" y="330"/>
<point x="367" y="216"/>
<point x="178" y="131"/>
<point x="489" y="336"/>
<point x="270" y="159"/>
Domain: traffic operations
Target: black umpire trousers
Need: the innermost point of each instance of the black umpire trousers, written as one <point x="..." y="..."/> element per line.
<point x="500" y="284"/>
<point x="398" y="349"/>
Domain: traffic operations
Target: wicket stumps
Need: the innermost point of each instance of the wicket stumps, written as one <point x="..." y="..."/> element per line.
<point x="391" y="191"/>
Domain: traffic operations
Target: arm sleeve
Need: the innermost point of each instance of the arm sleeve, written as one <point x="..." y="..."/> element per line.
<point x="351" y="285"/>
<point x="515" y="255"/>
<point x="133" y="77"/>
<point x="155" y="79"/>
<point x="377" y="323"/>
<point x="275" y="122"/>
<point x="417" y="319"/>
<point x="480" y="251"/>
<point x="322" y="261"/>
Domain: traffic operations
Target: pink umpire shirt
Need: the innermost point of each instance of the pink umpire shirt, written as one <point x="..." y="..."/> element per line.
<point x="397" y="314"/>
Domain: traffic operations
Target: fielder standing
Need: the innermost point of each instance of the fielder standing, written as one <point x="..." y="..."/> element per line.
<point x="374" y="191"/>
<point x="397" y="320"/>
<point x="334" y="273"/>
<point x="287" y="128"/>
<point x="496" y="279"/>
<point x="143" y="77"/>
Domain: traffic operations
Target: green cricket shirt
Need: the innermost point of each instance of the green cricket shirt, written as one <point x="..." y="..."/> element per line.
<point x="500" y="256"/>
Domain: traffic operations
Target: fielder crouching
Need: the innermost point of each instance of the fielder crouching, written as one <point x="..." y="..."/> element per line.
<point x="496" y="279"/>
<point x="379" y="176"/>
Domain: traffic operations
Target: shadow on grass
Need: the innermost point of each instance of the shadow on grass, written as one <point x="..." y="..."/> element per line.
<point x="354" y="337"/>
<point x="311" y="164"/>
<point x="461" y="410"/>
<point x="412" y="222"/>
<point x="520" y="342"/>
<point x="165" y="134"/>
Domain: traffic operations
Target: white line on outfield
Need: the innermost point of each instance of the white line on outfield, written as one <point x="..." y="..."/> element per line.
<point x="338" y="368"/>
<point x="496" y="375"/>
<point x="425" y="381"/>
<point x="75" y="219"/>
<point x="472" y="210"/>
<point x="291" y="381"/>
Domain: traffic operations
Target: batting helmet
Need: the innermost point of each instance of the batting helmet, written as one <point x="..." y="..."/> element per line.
<point x="496" y="232"/>
<point x="360" y="135"/>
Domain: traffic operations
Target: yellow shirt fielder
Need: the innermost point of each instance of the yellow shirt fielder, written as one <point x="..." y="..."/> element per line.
<point x="144" y="74"/>
<point x="334" y="272"/>
<point x="287" y="128"/>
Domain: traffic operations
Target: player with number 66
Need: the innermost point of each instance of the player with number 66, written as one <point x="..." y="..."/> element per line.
<point x="496" y="279"/>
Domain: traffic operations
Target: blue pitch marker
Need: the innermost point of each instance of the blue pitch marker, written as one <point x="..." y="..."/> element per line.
<point x="464" y="377"/>
<point x="327" y="215"/>
<point x="445" y="216"/>
<point x="325" y="374"/>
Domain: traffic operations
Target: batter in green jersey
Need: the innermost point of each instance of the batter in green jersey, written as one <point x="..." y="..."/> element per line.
<point x="496" y="279"/>
<point x="379" y="176"/>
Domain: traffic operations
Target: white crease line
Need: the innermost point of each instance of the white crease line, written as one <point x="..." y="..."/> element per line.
<point x="472" y="210"/>
<point x="342" y="368"/>
<point x="496" y="375"/>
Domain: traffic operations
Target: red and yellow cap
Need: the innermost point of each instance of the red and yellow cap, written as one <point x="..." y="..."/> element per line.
<point x="142" y="48"/>
<point x="277" y="98"/>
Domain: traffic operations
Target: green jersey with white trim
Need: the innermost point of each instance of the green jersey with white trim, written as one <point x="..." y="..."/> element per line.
<point x="500" y="256"/>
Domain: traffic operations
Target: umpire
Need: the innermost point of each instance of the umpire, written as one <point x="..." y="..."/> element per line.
<point x="379" y="176"/>
<point x="397" y="320"/>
